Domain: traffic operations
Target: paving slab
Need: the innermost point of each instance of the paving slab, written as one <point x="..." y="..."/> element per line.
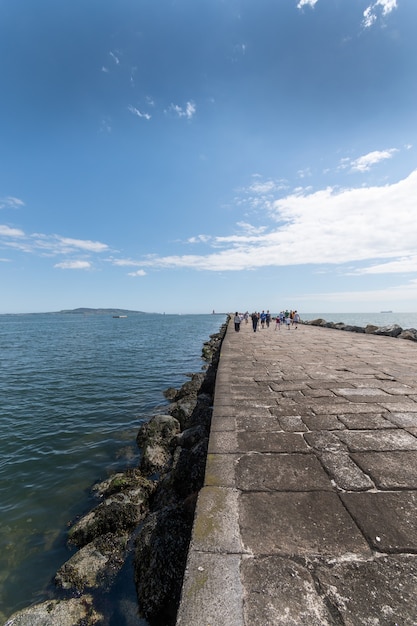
<point x="281" y="592"/>
<point x="323" y="422"/>
<point x="382" y="440"/>
<point x="389" y="470"/>
<point x="380" y="592"/>
<point x="216" y="527"/>
<point x="306" y="523"/>
<point x="281" y="472"/>
<point x="345" y="472"/>
<point x="403" y="419"/>
<point x="365" y="421"/>
<point x="271" y="442"/>
<point x="212" y="591"/>
<point x="324" y="441"/>
<point x="387" y="519"/>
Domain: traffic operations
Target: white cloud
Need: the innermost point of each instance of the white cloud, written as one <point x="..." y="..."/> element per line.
<point x="105" y="125"/>
<point x="138" y="113"/>
<point x="303" y="3"/>
<point x="364" y="163"/>
<point x="47" y="245"/>
<point x="125" y="262"/>
<point x="138" y="273"/>
<point x="73" y="265"/>
<point x="384" y="7"/>
<point x="188" y="111"/>
<point x="114" y="57"/>
<point x="325" y="227"/>
<point x="11" y="203"/>
<point x="399" y="266"/>
<point x="82" y="244"/>
<point x="199" y="239"/>
<point x="6" y="231"/>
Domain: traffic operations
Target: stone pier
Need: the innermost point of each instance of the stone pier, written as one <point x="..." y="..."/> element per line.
<point x="308" y="514"/>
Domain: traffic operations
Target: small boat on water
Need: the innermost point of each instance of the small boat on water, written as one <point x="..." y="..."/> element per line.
<point x="118" y="316"/>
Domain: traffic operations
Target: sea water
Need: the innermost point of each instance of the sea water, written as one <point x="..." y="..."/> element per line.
<point x="74" y="390"/>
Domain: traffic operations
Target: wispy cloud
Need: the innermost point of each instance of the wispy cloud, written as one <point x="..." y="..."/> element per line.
<point x="55" y="244"/>
<point x="11" y="202"/>
<point x="365" y="162"/>
<point x="402" y="265"/>
<point x="6" y="231"/>
<point x="105" y="125"/>
<point x="199" y="239"/>
<point x="48" y="245"/>
<point x="73" y="265"/>
<point x="125" y="262"/>
<point x="328" y="226"/>
<point x="137" y="273"/>
<point x="305" y="3"/>
<point x="188" y="111"/>
<point x="138" y="113"/>
<point x="114" y="56"/>
<point x="374" y="10"/>
<point x="370" y="15"/>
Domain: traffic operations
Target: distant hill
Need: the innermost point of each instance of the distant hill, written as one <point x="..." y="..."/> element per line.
<point x="87" y="311"/>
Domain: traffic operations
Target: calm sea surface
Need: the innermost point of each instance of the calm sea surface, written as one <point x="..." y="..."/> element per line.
<point x="74" y="390"/>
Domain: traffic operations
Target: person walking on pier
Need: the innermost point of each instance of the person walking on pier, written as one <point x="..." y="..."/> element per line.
<point x="268" y="318"/>
<point x="296" y="318"/>
<point x="255" y="319"/>
<point x="237" y="321"/>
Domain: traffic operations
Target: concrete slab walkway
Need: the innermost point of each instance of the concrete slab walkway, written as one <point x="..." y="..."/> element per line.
<point x="308" y="514"/>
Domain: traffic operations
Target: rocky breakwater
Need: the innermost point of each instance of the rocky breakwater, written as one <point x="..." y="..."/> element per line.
<point x="392" y="330"/>
<point x="144" y="515"/>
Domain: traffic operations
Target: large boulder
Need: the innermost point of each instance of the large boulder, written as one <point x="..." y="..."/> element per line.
<point x="129" y="480"/>
<point x="117" y="514"/>
<point x="155" y="439"/>
<point x="95" y="565"/>
<point x="73" y="612"/>
<point x="409" y="333"/>
<point x="393" y="330"/>
<point x="317" y="322"/>
<point x="354" y="329"/>
<point x="160" y="558"/>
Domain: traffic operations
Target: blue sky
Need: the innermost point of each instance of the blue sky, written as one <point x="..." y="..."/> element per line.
<point x="189" y="155"/>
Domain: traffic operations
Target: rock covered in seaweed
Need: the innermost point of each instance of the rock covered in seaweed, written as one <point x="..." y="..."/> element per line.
<point x="160" y="558"/>
<point x="96" y="564"/>
<point x="154" y="438"/>
<point x="393" y="330"/>
<point x="72" y="612"/>
<point x="409" y="333"/>
<point x="120" y="512"/>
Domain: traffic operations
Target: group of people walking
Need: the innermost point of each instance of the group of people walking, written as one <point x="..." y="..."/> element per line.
<point x="263" y="320"/>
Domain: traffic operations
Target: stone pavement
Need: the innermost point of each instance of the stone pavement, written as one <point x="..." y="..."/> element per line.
<point x="308" y="514"/>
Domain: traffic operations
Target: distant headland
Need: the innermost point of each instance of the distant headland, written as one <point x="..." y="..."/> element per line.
<point x="87" y="311"/>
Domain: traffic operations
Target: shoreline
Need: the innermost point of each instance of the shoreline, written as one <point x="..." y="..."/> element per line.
<point x="160" y="491"/>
